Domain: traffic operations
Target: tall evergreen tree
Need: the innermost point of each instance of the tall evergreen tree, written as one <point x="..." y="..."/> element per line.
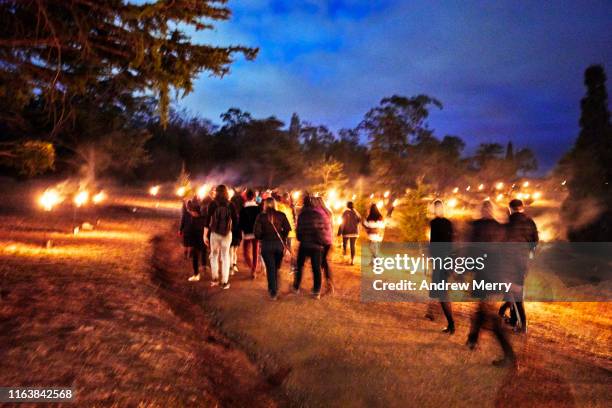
<point x="588" y="164"/>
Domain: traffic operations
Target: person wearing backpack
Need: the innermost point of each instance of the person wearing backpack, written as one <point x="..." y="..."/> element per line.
<point x="248" y="214"/>
<point x="221" y="215"/>
<point x="349" y="229"/>
<point x="271" y="229"/>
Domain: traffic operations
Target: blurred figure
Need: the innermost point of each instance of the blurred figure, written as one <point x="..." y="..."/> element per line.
<point x="311" y="233"/>
<point x="349" y="229"/>
<point x="327" y="245"/>
<point x="285" y="205"/>
<point x="520" y="229"/>
<point x="193" y="237"/>
<point x="221" y="215"/>
<point x="271" y="229"/>
<point x="487" y="229"/>
<point x="375" y="229"/>
<point x="247" y="217"/>
<point x="441" y="238"/>
<point x="238" y="203"/>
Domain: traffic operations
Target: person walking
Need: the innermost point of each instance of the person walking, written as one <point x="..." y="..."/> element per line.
<point x="375" y="229"/>
<point x="221" y="214"/>
<point x="238" y="201"/>
<point x="311" y="234"/>
<point x="522" y="234"/>
<point x="271" y="228"/>
<point x="488" y="230"/>
<point x="192" y="229"/>
<point x="349" y="229"/>
<point x="327" y="245"/>
<point x="440" y="239"/>
<point x="247" y="217"/>
<point x="285" y="205"/>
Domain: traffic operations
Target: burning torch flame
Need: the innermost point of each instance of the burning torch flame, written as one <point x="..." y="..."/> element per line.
<point x="98" y="198"/>
<point x="296" y="195"/>
<point x="181" y="191"/>
<point x="526" y="184"/>
<point x="537" y="195"/>
<point x="81" y="198"/>
<point x="395" y="202"/>
<point x="380" y="204"/>
<point x="339" y="220"/>
<point x="499" y="185"/>
<point x="154" y="190"/>
<point x="452" y="203"/>
<point x="386" y="195"/>
<point x="49" y="199"/>
<point x="480" y="187"/>
<point x="455" y="190"/>
<point x="202" y="191"/>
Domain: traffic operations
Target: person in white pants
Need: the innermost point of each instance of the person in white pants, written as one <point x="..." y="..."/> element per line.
<point x="220" y="248"/>
<point x="221" y="216"/>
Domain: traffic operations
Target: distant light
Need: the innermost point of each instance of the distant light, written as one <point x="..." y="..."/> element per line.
<point x="564" y="182"/>
<point x="154" y="190"/>
<point x="526" y="184"/>
<point x="455" y="190"/>
<point x="181" y="191"/>
<point x="386" y="194"/>
<point x="480" y="187"/>
<point x="499" y="185"/>
<point x="49" y="199"/>
<point x="296" y="194"/>
<point x="203" y="191"/>
<point x="468" y="188"/>
<point x="452" y="203"/>
<point x="81" y="198"/>
<point x="380" y="204"/>
<point x="98" y="198"/>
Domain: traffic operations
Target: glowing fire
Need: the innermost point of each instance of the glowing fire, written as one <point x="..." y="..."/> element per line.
<point x="81" y="198"/>
<point x="49" y="199"/>
<point x="98" y="198"/>
<point x="455" y="190"/>
<point x="380" y="204"/>
<point x="480" y="187"/>
<point x="202" y="191"/>
<point x="386" y="195"/>
<point x="154" y="190"/>
<point x="181" y="191"/>
<point x="296" y="194"/>
<point x="452" y="203"/>
<point x="526" y="184"/>
<point x="499" y="185"/>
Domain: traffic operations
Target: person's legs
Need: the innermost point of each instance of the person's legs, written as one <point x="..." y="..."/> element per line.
<point x="268" y="253"/>
<point x="255" y="247"/>
<point x="509" y="356"/>
<point x="352" y="243"/>
<point x="234" y="257"/>
<point x="477" y="321"/>
<point x="324" y="263"/>
<point x="195" y="255"/>
<point x="225" y="257"/>
<point x="447" y="308"/>
<point x="301" y="258"/>
<point x="246" y="253"/>
<point x="344" y="241"/>
<point x="315" y="260"/>
<point x="215" y="248"/>
<point x="521" y="313"/>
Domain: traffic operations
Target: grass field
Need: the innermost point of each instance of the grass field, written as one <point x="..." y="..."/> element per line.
<point x="110" y="312"/>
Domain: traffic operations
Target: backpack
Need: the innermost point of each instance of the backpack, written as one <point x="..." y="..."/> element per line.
<point x="221" y="220"/>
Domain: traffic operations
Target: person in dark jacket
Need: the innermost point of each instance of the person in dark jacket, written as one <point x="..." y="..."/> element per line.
<point x="312" y="230"/>
<point x="271" y="229"/>
<point x="349" y="229"/>
<point x="441" y="237"/>
<point x="238" y="202"/>
<point x="488" y="230"/>
<point x="192" y="227"/>
<point x="522" y="234"/>
<point x="247" y="217"/>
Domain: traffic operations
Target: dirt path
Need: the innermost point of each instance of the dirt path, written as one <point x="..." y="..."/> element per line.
<point x="341" y="352"/>
<point x="99" y="312"/>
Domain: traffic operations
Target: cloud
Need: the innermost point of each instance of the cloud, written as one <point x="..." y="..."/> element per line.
<point x="503" y="70"/>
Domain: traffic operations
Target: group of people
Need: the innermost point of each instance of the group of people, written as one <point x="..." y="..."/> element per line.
<point x="266" y="224"/>
<point x="521" y="235"/>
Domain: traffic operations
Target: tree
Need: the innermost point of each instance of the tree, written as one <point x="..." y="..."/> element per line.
<point x="588" y="164"/>
<point x="326" y="174"/>
<point x="64" y="50"/>
<point x="412" y="214"/>
<point x="391" y="127"/>
<point x="31" y="157"/>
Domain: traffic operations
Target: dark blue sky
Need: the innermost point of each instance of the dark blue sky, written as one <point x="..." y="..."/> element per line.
<point x="504" y="70"/>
